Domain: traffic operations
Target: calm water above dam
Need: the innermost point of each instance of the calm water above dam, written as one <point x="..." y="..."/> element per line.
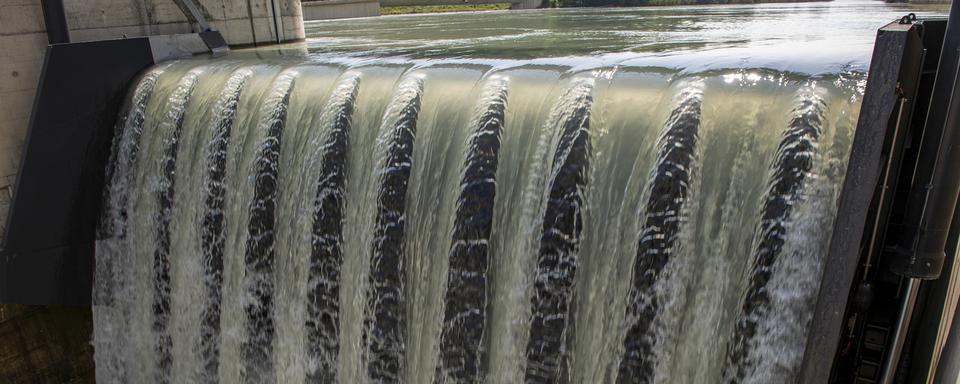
<point x="558" y="196"/>
<point x="800" y="37"/>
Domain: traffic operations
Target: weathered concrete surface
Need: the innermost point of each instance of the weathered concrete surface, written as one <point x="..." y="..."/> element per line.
<point x="45" y="344"/>
<point x="339" y="9"/>
<point x="23" y="40"/>
<point x="239" y="21"/>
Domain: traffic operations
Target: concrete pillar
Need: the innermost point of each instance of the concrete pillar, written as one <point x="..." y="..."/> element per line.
<point x="23" y="41"/>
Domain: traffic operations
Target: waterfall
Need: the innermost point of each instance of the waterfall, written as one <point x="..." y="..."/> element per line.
<point x="465" y="301"/>
<point x="213" y="222"/>
<point x="311" y="220"/>
<point x="560" y="237"/>
<point x="663" y="217"/>
<point x="790" y="174"/>
<point x="326" y="256"/>
<point x="173" y="124"/>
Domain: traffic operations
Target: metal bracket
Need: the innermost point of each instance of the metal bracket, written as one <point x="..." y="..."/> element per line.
<point x="194" y="13"/>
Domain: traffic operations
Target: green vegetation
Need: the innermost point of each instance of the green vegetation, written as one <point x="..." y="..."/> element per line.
<point x="442" y="8"/>
<point x="571" y="3"/>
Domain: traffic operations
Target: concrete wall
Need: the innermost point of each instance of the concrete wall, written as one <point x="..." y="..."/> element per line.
<point x="23" y="41"/>
<point x="240" y="21"/>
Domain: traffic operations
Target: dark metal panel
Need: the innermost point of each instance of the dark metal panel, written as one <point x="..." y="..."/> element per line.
<point x="62" y="275"/>
<point x="861" y="180"/>
<point x="933" y="196"/>
<point x="48" y="250"/>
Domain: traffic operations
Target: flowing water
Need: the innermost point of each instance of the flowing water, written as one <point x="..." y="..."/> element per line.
<point x="583" y="196"/>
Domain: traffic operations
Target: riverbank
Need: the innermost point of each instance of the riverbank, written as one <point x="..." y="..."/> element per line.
<point x="405" y="10"/>
<point x="418" y="9"/>
<point x="656" y="3"/>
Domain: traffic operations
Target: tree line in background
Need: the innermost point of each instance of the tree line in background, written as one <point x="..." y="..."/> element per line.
<point x="640" y="3"/>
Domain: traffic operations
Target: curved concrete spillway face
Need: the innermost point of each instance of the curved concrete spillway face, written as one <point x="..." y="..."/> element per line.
<point x="587" y="189"/>
<point x="439" y="199"/>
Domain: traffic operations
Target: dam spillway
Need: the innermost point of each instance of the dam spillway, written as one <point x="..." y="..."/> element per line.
<point x="298" y="221"/>
<point x="336" y="217"/>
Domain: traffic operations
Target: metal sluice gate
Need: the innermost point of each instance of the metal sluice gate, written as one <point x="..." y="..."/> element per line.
<point x="889" y="294"/>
